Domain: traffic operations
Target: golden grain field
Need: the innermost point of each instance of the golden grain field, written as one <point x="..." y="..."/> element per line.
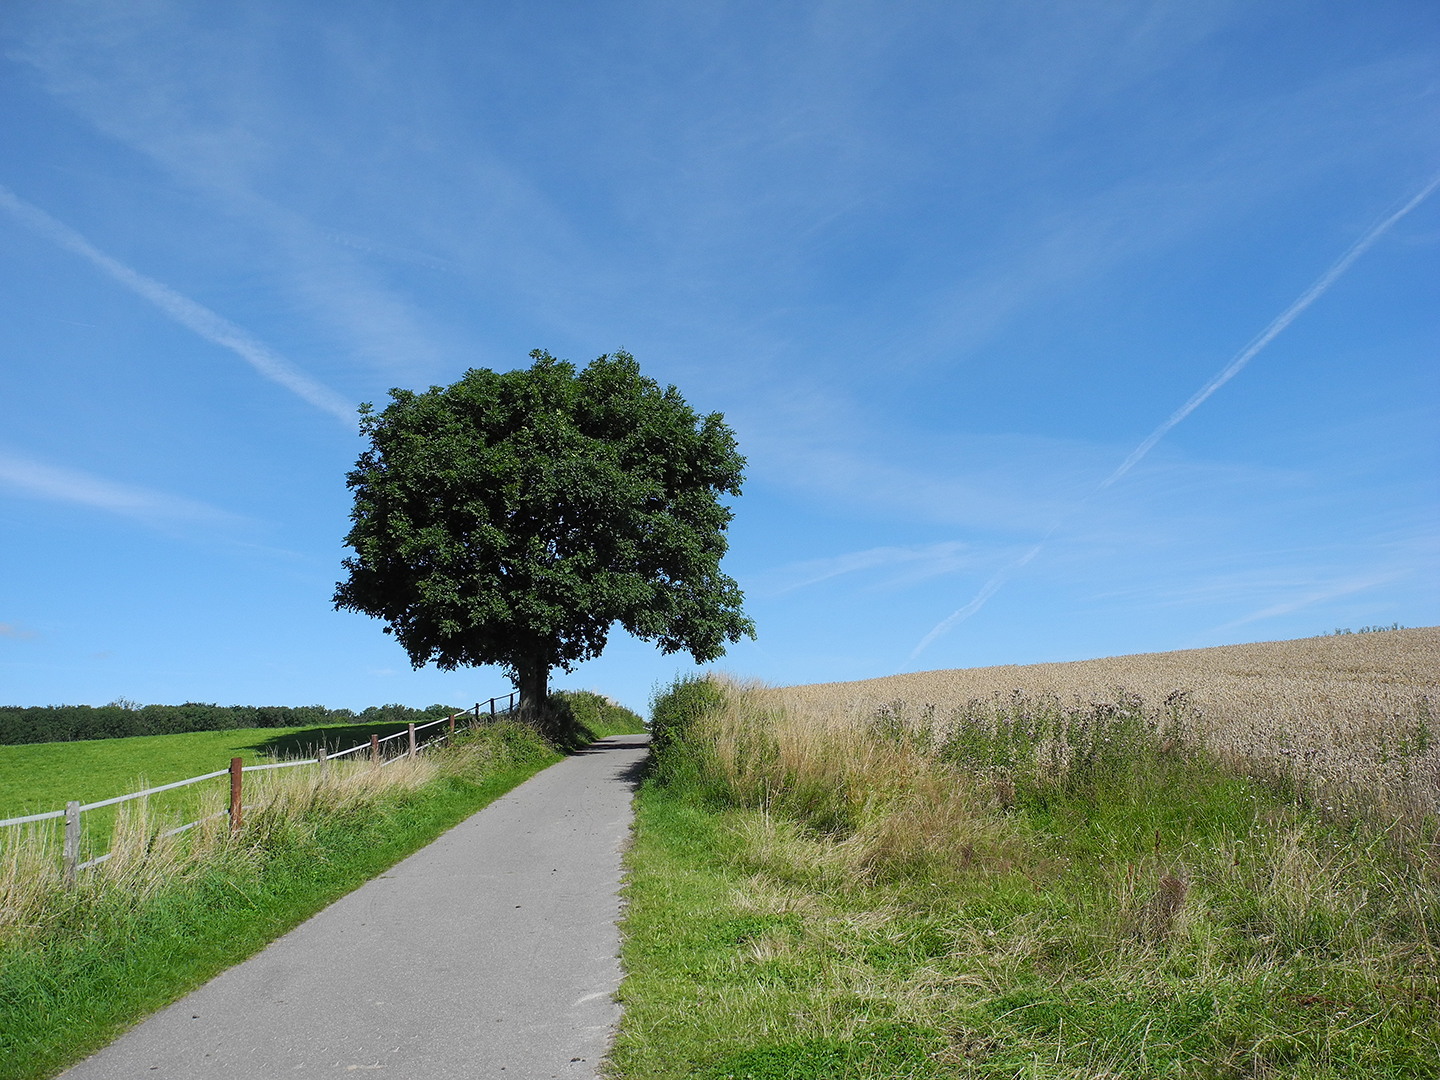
<point x="1352" y="714"/>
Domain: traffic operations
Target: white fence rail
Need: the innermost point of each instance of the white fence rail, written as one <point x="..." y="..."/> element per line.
<point x="71" y="863"/>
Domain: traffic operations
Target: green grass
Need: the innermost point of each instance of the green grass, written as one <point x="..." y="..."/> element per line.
<point x="65" y="1000"/>
<point x="44" y="776"/>
<point x="775" y="932"/>
<point x="716" y="988"/>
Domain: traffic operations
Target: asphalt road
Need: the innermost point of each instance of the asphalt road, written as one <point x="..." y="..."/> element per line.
<point x="491" y="953"/>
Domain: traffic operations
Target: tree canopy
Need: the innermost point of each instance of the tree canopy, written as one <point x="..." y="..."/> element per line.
<point x="514" y="518"/>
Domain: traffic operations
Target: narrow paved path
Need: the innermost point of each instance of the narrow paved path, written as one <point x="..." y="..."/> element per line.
<point x="491" y="953"/>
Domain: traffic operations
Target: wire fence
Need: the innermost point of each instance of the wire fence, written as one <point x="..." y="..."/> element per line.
<point x="70" y="851"/>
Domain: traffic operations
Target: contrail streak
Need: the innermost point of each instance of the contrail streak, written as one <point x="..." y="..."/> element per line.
<point x="1243" y="357"/>
<point x="1285" y="318"/>
<point x="210" y="326"/>
<point x="989" y="589"/>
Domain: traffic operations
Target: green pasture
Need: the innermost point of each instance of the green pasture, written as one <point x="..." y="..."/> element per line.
<point x="43" y="776"/>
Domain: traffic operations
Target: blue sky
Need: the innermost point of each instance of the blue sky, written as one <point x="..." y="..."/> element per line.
<point x="944" y="267"/>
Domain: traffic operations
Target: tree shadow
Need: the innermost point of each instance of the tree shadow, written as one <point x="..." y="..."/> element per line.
<point x="632" y="774"/>
<point x="334" y="737"/>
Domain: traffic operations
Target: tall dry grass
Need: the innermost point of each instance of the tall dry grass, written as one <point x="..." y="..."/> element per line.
<point x="1350" y="718"/>
<point x="857" y="787"/>
<point x="883" y="805"/>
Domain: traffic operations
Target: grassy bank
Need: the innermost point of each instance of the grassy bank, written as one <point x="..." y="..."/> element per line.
<point x="1024" y="888"/>
<point x="164" y="915"/>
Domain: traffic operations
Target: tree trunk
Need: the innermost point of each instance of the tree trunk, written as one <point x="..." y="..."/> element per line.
<point x="534" y="685"/>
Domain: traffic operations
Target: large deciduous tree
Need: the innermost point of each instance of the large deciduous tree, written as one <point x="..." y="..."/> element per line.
<point x="515" y="517"/>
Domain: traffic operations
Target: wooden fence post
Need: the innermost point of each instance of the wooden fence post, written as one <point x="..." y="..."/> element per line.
<point x="375" y="750"/>
<point x="452" y="726"/>
<point x="237" y="811"/>
<point x="320" y="758"/>
<point x="492" y="710"/>
<point x="71" y="852"/>
<point x="411" y="729"/>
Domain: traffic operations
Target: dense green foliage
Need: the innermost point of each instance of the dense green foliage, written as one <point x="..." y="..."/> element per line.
<point x="61" y="723"/>
<point x="514" y="518"/>
<point x="1032" y="891"/>
<point x="676" y="710"/>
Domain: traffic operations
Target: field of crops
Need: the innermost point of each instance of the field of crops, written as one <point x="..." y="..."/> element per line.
<point x="1349" y="713"/>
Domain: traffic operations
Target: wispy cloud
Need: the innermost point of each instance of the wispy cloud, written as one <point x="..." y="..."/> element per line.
<point x="1271" y="332"/>
<point x="797" y="438"/>
<point x="392" y="252"/>
<point x="219" y="128"/>
<point x="916" y="563"/>
<point x="1233" y="368"/>
<point x="210" y="326"/>
<point x="10" y="630"/>
<point x="989" y="589"/>
<point x="1305" y="599"/>
<point x="60" y="484"/>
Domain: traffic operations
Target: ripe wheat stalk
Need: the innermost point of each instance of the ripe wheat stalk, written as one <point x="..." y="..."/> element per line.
<point x="1350" y="718"/>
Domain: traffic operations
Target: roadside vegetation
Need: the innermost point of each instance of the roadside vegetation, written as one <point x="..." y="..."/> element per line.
<point x="164" y="914"/>
<point x="827" y="881"/>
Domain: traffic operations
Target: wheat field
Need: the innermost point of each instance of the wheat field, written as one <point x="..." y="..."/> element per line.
<point x="1351" y="715"/>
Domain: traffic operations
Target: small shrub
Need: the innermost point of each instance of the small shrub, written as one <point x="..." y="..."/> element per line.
<point x="675" y="712"/>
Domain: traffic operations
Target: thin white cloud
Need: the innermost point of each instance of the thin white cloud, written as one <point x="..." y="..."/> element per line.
<point x="1271" y="332"/>
<point x="919" y="563"/>
<point x="393" y="252"/>
<point x="798" y="438"/>
<point x="989" y="589"/>
<point x="60" y="484"/>
<point x="10" y="630"/>
<point x="1276" y="327"/>
<point x="1315" y="596"/>
<point x="218" y="128"/>
<point x="204" y="322"/>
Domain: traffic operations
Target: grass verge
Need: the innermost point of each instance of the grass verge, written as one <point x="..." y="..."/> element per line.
<point x="1044" y="893"/>
<point x="163" y="916"/>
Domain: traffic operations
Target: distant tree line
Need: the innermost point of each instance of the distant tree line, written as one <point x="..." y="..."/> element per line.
<point x="121" y="719"/>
